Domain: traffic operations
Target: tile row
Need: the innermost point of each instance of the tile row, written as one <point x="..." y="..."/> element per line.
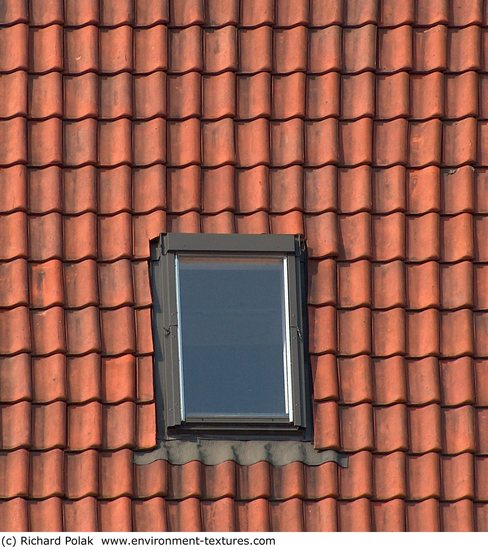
<point x="76" y="380"/>
<point x="385" y="429"/>
<point x="192" y="514"/>
<point x="381" y="477"/>
<point x="384" y="333"/>
<point x="245" y="97"/>
<point x="246" y="13"/>
<point x="280" y="97"/>
<point x="246" y="50"/>
<point x="74" y="191"/>
<point x="90" y="425"/>
<point x="213" y="144"/>
<point x="112" y="332"/>
<point x="361" y="283"/>
<point x="349" y="237"/>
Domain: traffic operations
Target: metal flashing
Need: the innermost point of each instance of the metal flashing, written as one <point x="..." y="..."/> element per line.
<point x="211" y="452"/>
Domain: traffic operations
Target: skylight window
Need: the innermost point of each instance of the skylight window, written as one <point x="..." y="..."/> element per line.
<point x="228" y="327"/>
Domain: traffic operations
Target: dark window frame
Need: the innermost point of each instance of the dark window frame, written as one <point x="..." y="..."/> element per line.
<point x="165" y="333"/>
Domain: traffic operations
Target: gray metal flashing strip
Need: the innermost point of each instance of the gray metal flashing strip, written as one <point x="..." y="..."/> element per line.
<point x="211" y="452"/>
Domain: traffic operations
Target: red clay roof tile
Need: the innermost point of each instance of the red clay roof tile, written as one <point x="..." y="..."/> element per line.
<point x="14" y="473"/>
<point x="80" y="515"/>
<point x="354" y="515"/>
<point x="358" y="369"/>
<point x="457" y="474"/>
<point x="388" y="284"/>
<point x="149" y="514"/>
<point x="13" y="42"/>
<point x="45" y="95"/>
<point x="430" y="51"/>
<point x="326" y="425"/>
<point x="253" y="95"/>
<point x="354" y="284"/>
<point x="422" y="333"/>
<point x="322" y="95"/>
<point x="115" y="515"/>
<point x="359" y="49"/>
<point x="15" y="331"/>
<point x="391" y="323"/>
<point x="392" y="95"/>
<point x="14" y="283"/>
<point x="46" y="474"/>
<point x="390" y="384"/>
<point x="389" y="476"/>
<point x="457" y="516"/>
<point x="286" y="515"/>
<point x="423" y="475"/>
<point x="325" y="49"/>
<point x="45" y="515"/>
<point x="15" y="378"/>
<point x="423" y="516"/>
<point x="48" y="378"/>
<point x="360" y="416"/>
<point x="423" y="285"/>
<point x="425" y="429"/>
<point x="357" y="95"/>
<point x="423" y="381"/>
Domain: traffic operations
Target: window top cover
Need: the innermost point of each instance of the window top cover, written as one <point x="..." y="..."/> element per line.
<point x="228" y="331"/>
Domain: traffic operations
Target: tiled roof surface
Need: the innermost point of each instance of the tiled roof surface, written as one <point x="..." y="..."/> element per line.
<point x="362" y="124"/>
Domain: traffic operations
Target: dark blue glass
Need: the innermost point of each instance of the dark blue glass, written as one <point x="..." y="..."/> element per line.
<point x="232" y="336"/>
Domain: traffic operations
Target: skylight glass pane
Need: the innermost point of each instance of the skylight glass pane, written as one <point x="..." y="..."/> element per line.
<point x="233" y="337"/>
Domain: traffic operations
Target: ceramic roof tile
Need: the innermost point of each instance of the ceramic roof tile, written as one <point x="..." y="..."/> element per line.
<point x="455" y="294"/>
<point x="43" y="13"/>
<point x="253" y="95"/>
<point x="84" y="426"/>
<point x="423" y="475"/>
<point x="322" y="145"/>
<point x="220" y="49"/>
<point x="218" y="147"/>
<point x="219" y="95"/>
<point x="13" y="290"/>
<point x="15" y="378"/>
<point x="358" y="369"/>
<point x="395" y="49"/>
<point x="83" y="378"/>
<point x="459" y="429"/>
<point x="13" y="41"/>
<point x="354" y="284"/>
<point x="390" y="380"/>
<point x="149" y="514"/>
<point x="360" y="416"/>
<point x="457" y="516"/>
<point x="15" y="331"/>
<point x="389" y="476"/>
<point x="430" y="48"/>
<point x="457" y="381"/>
<point x="425" y="429"/>
<point x="325" y="376"/>
<point x="388" y="189"/>
<point x="357" y="94"/>
<point x="395" y="131"/>
<point x="431" y="85"/>
<point x="47" y="49"/>
<point x="115" y="515"/>
<point x="354" y="515"/>
<point x="322" y="95"/>
<point x="388" y="284"/>
<point x="392" y="324"/>
<point x="45" y="515"/>
<point x="252" y="142"/>
<point x="288" y="96"/>
<point x="322" y="338"/>
<point x="14" y="11"/>
<point x="423" y="285"/>
<point x="480" y="376"/>
<point x="48" y="378"/>
<point x="350" y="228"/>
<point x="422" y="237"/>
<point x="80" y="515"/>
<point x="422" y="333"/>
<point x="359" y="48"/>
<point x="423" y="381"/>
<point x="14" y="473"/>
<point x="46" y="474"/>
<point x="13" y="133"/>
<point x="463" y="48"/>
<point x="326" y="424"/>
<point x="45" y="95"/>
<point x="329" y="40"/>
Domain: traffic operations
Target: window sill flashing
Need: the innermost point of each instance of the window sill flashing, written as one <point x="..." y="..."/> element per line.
<point x="211" y="452"/>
